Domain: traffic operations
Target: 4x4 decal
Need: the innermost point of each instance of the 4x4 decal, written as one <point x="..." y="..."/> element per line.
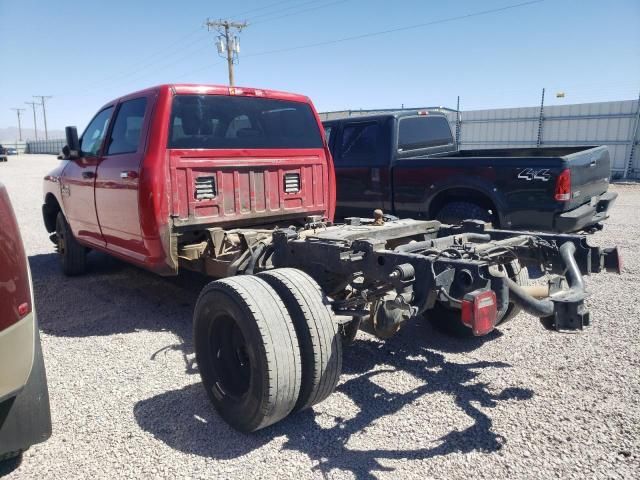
<point x="532" y="174"/>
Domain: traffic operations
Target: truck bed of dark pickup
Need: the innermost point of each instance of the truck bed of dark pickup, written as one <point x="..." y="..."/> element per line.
<point x="414" y="169"/>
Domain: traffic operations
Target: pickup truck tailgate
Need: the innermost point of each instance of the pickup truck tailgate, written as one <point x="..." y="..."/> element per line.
<point x="590" y="170"/>
<point x="211" y="188"/>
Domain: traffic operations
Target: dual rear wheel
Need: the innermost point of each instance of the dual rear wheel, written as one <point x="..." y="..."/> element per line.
<point x="266" y="346"/>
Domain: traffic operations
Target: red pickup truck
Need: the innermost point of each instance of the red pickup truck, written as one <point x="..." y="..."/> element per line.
<point x="239" y="183"/>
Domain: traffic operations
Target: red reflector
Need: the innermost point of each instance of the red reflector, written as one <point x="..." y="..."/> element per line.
<point x="563" y="186"/>
<point x="479" y="311"/>
<point x="23" y="309"/>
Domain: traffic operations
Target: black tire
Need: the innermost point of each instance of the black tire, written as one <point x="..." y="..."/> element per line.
<point x="447" y="320"/>
<point x="520" y="275"/>
<point x="318" y="335"/>
<point x="72" y="255"/>
<point x="454" y="213"/>
<point x="256" y="382"/>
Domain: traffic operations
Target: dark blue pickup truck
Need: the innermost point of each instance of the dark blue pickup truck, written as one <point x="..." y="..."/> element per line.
<point x="408" y="164"/>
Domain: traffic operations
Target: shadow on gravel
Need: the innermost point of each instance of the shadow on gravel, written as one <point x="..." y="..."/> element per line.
<point x="185" y="420"/>
<point x="117" y="298"/>
<point x="113" y="297"/>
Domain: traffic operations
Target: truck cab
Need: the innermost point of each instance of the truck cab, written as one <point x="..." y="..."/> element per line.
<point x="155" y="169"/>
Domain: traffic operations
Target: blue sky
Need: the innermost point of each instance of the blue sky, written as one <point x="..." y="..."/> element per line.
<point x="85" y="53"/>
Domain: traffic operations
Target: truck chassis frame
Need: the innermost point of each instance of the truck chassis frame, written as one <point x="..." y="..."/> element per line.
<point x="381" y="272"/>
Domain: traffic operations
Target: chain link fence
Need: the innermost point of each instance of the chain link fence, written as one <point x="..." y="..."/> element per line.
<point x="53" y="146"/>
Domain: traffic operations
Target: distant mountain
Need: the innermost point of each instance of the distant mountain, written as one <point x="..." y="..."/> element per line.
<point x="10" y="134"/>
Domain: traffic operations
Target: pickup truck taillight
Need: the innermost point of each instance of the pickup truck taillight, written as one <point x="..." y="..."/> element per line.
<point x="563" y="186"/>
<point x="479" y="311"/>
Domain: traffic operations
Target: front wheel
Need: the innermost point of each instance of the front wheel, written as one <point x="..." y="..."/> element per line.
<point x="247" y="352"/>
<point x="72" y="255"/>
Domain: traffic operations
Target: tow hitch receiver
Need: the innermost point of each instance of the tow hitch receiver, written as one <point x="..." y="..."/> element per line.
<point x="569" y="312"/>
<point x="479" y="311"/>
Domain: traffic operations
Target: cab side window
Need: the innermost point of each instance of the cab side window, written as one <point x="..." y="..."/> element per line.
<point x="125" y="135"/>
<point x="92" y="137"/>
<point x="359" y="143"/>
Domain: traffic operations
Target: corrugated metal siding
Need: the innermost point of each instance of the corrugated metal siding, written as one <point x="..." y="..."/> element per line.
<point x="606" y="123"/>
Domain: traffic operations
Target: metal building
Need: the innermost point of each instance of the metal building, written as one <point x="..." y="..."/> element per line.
<point x="614" y="124"/>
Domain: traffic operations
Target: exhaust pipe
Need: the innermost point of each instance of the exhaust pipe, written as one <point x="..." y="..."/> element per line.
<point x="564" y="310"/>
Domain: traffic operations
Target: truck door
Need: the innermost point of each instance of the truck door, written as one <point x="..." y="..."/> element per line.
<point x="78" y="179"/>
<point x="360" y="167"/>
<point x="116" y="188"/>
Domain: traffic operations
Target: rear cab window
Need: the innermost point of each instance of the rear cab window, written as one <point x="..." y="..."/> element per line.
<point x="230" y="122"/>
<point x="420" y="132"/>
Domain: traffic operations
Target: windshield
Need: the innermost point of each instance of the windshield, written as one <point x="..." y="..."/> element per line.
<point x="423" y="132"/>
<point x="217" y="121"/>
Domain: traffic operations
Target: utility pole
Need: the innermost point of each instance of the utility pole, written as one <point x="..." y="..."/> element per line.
<point x="35" y="123"/>
<point x="228" y="44"/>
<point x="44" y="112"/>
<point x="19" y="112"/>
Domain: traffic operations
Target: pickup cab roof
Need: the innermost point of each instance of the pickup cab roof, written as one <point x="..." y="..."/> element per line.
<point x="204" y="89"/>
<point x="383" y="116"/>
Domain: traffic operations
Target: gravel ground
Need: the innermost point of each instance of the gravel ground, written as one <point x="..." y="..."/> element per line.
<point x="522" y="402"/>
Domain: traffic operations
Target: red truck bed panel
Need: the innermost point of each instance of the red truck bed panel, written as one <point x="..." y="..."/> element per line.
<point x="247" y="187"/>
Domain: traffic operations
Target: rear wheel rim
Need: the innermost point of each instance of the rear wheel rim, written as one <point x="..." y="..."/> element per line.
<point x="229" y="358"/>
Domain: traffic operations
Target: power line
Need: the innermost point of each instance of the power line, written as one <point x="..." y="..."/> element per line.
<point x="44" y="112"/>
<point x="146" y="66"/>
<point x="170" y="50"/>
<point x="283" y="10"/>
<point x="260" y="8"/>
<point x="228" y="45"/>
<point x="19" y="113"/>
<point x="136" y="73"/>
<point x="300" y="11"/>
<point x="398" y="29"/>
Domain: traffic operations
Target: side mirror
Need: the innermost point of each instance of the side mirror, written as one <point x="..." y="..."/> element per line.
<point x="71" y="150"/>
